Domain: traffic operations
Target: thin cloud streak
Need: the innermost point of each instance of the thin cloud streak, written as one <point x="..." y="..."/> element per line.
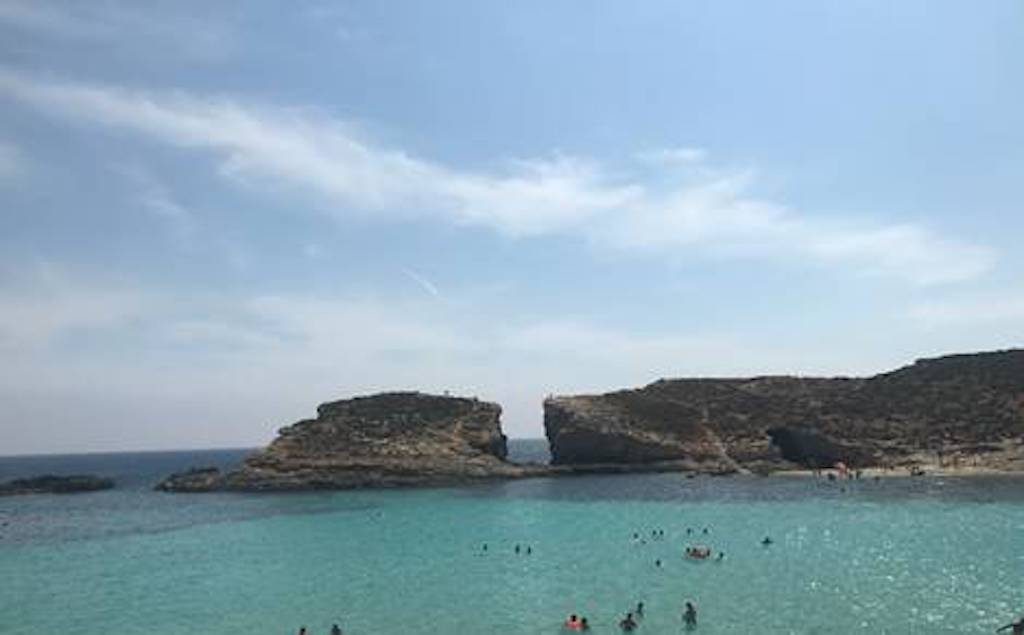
<point x="711" y="209"/>
<point x="424" y="284"/>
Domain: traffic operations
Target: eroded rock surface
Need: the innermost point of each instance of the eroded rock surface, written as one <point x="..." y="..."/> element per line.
<point x="958" y="409"/>
<point x="52" y="484"/>
<point x="390" y="439"/>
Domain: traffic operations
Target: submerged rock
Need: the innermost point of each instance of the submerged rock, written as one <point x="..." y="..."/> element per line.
<point x="197" y="479"/>
<point x="390" y="439"/>
<point x="52" y="484"/>
<point x="953" y="410"/>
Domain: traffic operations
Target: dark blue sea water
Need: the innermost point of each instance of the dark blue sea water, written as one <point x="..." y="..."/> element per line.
<point x="930" y="555"/>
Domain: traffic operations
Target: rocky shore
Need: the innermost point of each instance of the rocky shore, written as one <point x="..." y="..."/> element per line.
<point x="954" y="412"/>
<point x="385" y="440"/>
<point x="959" y="414"/>
<point x="50" y="484"/>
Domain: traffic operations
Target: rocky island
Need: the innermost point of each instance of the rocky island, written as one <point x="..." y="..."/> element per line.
<point x="390" y="439"/>
<point x="955" y="411"/>
<point x="51" y="484"/>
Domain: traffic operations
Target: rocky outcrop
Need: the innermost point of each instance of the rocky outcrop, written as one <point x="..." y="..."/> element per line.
<point x="390" y="439"/>
<point x="50" y="484"/>
<point x="958" y="409"/>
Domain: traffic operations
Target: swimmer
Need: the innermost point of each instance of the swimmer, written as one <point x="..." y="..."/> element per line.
<point x="335" y="630"/>
<point x="517" y="548"/>
<point x="485" y="546"/>
<point x="705" y="532"/>
<point x="639" y="609"/>
<point x="1018" y="627"/>
<point x="573" y="623"/>
<point x="529" y="550"/>
<point x="628" y="623"/>
<point x="584" y="625"/>
<point x="690" y="615"/>
<point x="767" y="541"/>
<point x="721" y="556"/>
<point x="657" y="563"/>
<point x="302" y="630"/>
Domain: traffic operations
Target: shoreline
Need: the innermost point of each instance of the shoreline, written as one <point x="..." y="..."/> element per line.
<point x="929" y="470"/>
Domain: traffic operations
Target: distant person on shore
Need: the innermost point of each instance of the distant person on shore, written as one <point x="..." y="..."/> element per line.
<point x="690" y="615"/>
<point x="1018" y="627"/>
<point x="628" y="623"/>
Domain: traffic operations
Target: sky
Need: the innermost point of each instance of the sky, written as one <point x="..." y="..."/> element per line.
<point x="215" y="216"/>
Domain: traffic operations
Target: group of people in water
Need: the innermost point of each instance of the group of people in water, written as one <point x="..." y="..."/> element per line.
<point x="631" y="621"/>
<point x="519" y="549"/>
<point x="335" y="630"/>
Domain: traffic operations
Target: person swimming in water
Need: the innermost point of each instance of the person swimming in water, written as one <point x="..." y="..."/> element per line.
<point x="1018" y="627"/>
<point x="302" y="630"/>
<point x="573" y="623"/>
<point x="517" y="549"/>
<point x="639" y="609"/>
<point x="529" y="550"/>
<point x="767" y="541"/>
<point x="335" y="630"/>
<point x="690" y="615"/>
<point x="584" y="625"/>
<point x="628" y="623"/>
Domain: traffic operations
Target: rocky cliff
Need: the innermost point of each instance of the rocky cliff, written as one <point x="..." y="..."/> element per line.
<point x="390" y="439"/>
<point x="958" y="410"/>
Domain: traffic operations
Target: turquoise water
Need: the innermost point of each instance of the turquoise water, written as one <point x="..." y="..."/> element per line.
<point x="897" y="556"/>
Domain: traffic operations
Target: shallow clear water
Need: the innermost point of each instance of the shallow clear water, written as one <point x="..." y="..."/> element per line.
<point x="897" y="556"/>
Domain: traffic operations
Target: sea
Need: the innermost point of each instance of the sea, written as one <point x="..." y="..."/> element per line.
<point x="898" y="555"/>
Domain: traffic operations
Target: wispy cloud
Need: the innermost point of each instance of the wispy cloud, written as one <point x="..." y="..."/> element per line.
<point x="974" y="311"/>
<point x="680" y="155"/>
<point x="44" y="302"/>
<point x="422" y="281"/>
<point x="155" y="198"/>
<point x="695" y="205"/>
<point x="114" y="23"/>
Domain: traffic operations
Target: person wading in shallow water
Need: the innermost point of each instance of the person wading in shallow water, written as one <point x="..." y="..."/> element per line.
<point x="628" y="623"/>
<point x="690" y="615"/>
<point x="1018" y="627"/>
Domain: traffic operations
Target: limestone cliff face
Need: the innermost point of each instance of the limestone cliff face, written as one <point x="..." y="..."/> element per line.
<point x="390" y="439"/>
<point x="957" y="408"/>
